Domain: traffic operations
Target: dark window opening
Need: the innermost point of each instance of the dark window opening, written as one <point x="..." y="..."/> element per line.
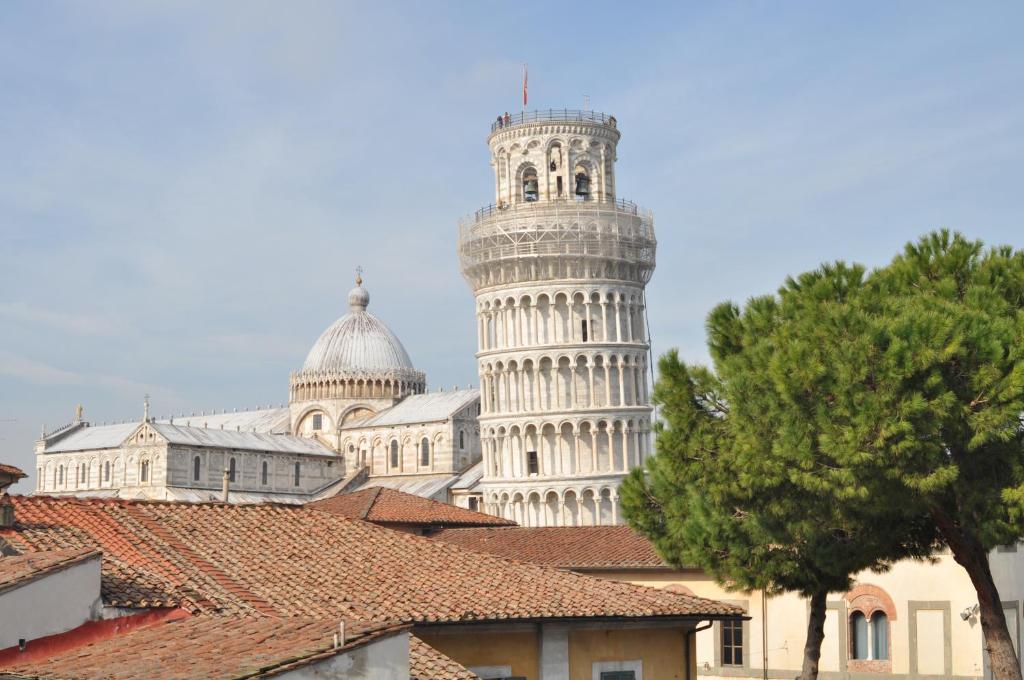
<point x="732" y="643"/>
<point x="196" y="463"/>
<point x="425" y="452"/>
<point x="144" y="473"/>
<point x="265" y="473"/>
<point x="473" y="503"/>
<point x="583" y="326"/>
<point x="859" y="636"/>
<point x="318" y="422"/>
<point x="558" y="183"/>
<point x="394" y="454"/>
<point x="231" y="470"/>
<point x="618" y="675"/>
<point x="462" y="439"/>
<point x="298" y="474"/>
<point x="106" y="471"/>
<point x="880" y="636"/>
<point x="532" y="464"/>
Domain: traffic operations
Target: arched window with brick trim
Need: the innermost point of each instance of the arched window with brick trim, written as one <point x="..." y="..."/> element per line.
<point x="871" y="610"/>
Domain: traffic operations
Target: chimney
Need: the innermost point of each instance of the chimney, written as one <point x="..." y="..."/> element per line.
<point x="6" y="511"/>
<point x="225" y="486"/>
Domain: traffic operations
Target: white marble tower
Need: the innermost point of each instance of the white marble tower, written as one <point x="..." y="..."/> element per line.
<point x="558" y="266"/>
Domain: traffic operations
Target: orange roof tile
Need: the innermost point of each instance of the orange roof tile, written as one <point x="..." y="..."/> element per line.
<point x="604" y="547"/>
<point x="294" y="561"/>
<point x="388" y="506"/>
<point x="212" y="647"/>
<point x="20" y="569"/>
<point x="426" y="663"/>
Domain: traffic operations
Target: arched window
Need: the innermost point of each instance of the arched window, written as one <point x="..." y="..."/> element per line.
<point x="318" y="422"/>
<point x="231" y="470"/>
<point x="394" y="454"/>
<point x="880" y="636"/>
<point x="264" y="473"/>
<point x="298" y="474"/>
<point x="60" y="475"/>
<point x="82" y="476"/>
<point x="106" y="471"/>
<point x="425" y="452"/>
<point x="859" y="636"/>
<point x="462" y="439"/>
<point x="144" y="471"/>
<point x="196" y="465"/>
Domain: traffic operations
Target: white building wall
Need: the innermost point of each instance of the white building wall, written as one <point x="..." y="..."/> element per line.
<point x="385" y="659"/>
<point x="55" y="603"/>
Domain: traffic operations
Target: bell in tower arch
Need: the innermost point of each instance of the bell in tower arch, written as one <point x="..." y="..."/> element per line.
<point x="531" y="188"/>
<point x="582" y="184"/>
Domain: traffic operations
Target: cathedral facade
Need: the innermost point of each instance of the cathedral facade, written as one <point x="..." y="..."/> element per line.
<point x="558" y="266"/>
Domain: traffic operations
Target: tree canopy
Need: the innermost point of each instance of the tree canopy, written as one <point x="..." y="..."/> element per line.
<point x="848" y="421"/>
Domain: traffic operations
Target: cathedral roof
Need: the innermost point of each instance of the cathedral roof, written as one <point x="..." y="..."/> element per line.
<point x="95" y="437"/>
<point x="358" y="341"/>
<point x="420" y="408"/>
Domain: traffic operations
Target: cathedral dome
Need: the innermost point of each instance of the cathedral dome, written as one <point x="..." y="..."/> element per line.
<point x="358" y="341"/>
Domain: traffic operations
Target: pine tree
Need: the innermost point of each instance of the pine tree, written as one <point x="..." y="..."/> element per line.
<point x="937" y="400"/>
<point x="744" y="483"/>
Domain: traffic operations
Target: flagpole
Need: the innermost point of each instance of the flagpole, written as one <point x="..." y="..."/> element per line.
<point x="525" y="89"/>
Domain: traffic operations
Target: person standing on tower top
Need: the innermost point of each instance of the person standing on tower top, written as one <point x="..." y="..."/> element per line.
<point x="508" y="119"/>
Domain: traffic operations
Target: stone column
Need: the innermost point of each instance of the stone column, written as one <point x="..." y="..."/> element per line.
<point x="618" y="318"/>
<point x="590" y="383"/>
<point x="575" y="456"/>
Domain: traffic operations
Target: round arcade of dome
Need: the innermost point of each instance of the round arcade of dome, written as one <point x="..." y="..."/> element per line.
<point x="358" y="341"/>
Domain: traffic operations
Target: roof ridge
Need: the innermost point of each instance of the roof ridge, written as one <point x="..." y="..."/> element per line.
<point x="215" y="572"/>
<point x="374" y="495"/>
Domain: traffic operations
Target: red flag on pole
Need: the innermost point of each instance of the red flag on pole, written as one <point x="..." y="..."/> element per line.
<point x="524" y="86"/>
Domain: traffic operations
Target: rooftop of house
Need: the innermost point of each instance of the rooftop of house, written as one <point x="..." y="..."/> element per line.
<point x="12" y="471"/>
<point x="282" y="560"/>
<point x="579" y="548"/>
<point x="426" y="663"/>
<point x="215" y="647"/>
<point x="388" y="506"/>
<point x="18" y="570"/>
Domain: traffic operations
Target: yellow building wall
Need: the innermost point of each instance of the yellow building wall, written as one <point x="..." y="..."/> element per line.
<point x="519" y="650"/>
<point x="662" y="651"/>
<point x="939" y="581"/>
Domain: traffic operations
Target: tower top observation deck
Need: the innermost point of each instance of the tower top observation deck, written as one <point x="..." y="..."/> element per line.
<point x="556" y="214"/>
<point x="553" y="116"/>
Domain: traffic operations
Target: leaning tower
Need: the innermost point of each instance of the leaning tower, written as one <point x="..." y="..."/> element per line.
<point x="558" y="265"/>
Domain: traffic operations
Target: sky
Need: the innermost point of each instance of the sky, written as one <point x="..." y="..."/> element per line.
<point x="186" y="188"/>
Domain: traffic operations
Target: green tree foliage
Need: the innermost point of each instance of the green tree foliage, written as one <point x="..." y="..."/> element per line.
<point x="746" y="483"/>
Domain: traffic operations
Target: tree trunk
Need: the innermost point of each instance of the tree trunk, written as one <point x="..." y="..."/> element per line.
<point x="969" y="554"/>
<point x="815" y="636"/>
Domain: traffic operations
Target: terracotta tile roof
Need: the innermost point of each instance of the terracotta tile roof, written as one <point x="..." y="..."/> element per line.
<point x="215" y="647"/>
<point x="387" y="506"/>
<point x="11" y="470"/>
<point x="293" y="561"/>
<point x="606" y="547"/>
<point x="20" y="569"/>
<point x="426" y="663"/>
